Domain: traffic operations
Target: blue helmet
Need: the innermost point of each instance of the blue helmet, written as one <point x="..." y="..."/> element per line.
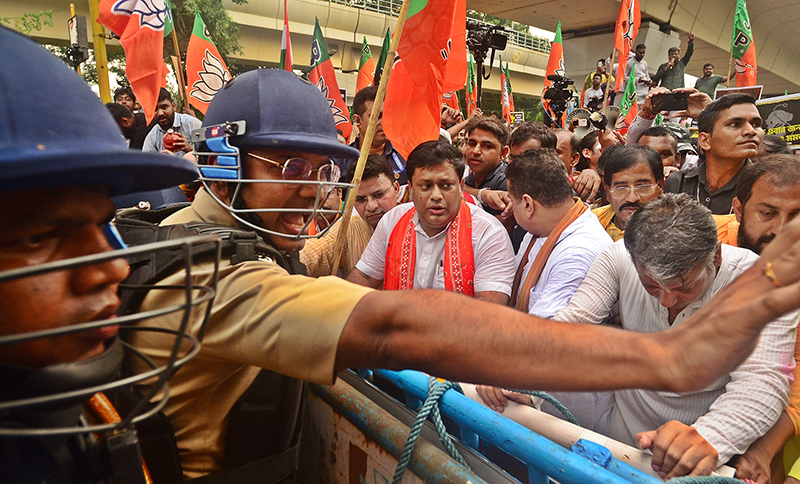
<point x="56" y="131"/>
<point x="271" y="109"/>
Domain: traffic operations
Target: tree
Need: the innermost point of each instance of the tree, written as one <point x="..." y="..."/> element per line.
<point x="28" y="22"/>
<point x="224" y="31"/>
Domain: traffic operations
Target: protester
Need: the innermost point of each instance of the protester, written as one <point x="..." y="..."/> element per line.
<point x="181" y="126"/>
<point x="709" y="82"/>
<point x="640" y="72"/>
<point x="133" y="127"/>
<point x="590" y="151"/>
<point x="593" y="97"/>
<point x="362" y="110"/>
<point x="663" y="140"/>
<point x="729" y="134"/>
<point x="419" y="244"/>
<point x="485" y="153"/>
<point x="670" y="74"/>
<point x="633" y="176"/>
<point x="772" y="143"/>
<point x="563" y="238"/>
<point x="61" y="158"/>
<point x="377" y="194"/>
<point x="669" y="268"/>
<point x="605" y="77"/>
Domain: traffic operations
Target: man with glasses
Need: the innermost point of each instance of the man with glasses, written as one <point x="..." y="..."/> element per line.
<point x="268" y="316"/>
<point x="377" y="194"/>
<point x="633" y="175"/>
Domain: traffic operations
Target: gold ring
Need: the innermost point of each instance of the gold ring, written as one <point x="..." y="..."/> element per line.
<point x="770" y="274"/>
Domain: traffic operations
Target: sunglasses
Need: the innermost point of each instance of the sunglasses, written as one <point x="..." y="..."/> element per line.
<point x="300" y="169"/>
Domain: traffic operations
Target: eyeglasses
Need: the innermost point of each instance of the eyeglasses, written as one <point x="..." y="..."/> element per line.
<point x="299" y="169"/>
<point x="641" y="190"/>
<point x="376" y="197"/>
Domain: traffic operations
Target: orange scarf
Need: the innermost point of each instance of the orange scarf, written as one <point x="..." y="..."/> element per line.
<point x="459" y="262"/>
<point x="541" y="258"/>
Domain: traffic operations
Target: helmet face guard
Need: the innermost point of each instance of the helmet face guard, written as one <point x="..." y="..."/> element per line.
<point x="69" y="384"/>
<point x="229" y="169"/>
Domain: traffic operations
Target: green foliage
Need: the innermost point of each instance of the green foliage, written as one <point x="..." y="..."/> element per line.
<point x="116" y="63"/>
<point x="224" y="31"/>
<point x="28" y="22"/>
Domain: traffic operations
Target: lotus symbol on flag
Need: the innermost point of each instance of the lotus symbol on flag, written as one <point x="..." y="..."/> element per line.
<point x="152" y="13"/>
<point x="212" y="78"/>
<point x="338" y="117"/>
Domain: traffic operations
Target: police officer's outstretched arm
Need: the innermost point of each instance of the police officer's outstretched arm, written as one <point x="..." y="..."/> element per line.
<point x="447" y="334"/>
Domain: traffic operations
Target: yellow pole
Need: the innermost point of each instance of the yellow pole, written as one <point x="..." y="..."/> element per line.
<point x="100" y="56"/>
<point x="730" y="65"/>
<point x="179" y="74"/>
<point x="72" y="15"/>
<point x="367" y="140"/>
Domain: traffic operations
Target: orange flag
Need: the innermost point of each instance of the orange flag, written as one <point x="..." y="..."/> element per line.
<point x="555" y="66"/>
<point x="206" y="72"/>
<point x="625" y="32"/>
<point x="140" y="26"/>
<point x="323" y="76"/>
<point x="432" y="60"/>
<point x="366" y="67"/>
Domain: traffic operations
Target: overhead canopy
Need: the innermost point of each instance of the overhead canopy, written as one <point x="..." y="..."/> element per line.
<point x="776" y="28"/>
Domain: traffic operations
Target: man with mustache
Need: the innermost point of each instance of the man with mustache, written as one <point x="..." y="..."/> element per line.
<point x="730" y="134"/>
<point x="377" y="194"/>
<point x="438" y="241"/>
<point x="166" y="118"/>
<point x="633" y="175"/>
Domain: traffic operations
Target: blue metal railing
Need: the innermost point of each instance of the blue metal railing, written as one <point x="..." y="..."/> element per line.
<point x="542" y="457"/>
<point x="392" y="7"/>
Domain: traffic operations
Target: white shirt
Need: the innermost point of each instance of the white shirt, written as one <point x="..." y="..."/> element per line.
<point x="733" y="411"/>
<point x="491" y="248"/>
<point x="183" y="124"/>
<point x="573" y="254"/>
<point x="639" y="71"/>
<point x="591" y="93"/>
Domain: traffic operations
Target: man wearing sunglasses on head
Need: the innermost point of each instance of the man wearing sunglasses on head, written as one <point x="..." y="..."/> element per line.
<point x="264" y="158"/>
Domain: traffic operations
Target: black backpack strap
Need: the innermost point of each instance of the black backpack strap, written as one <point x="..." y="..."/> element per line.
<point x="269" y="470"/>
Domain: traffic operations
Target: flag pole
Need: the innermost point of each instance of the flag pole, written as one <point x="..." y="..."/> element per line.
<point x="366" y="142"/>
<point x="608" y="81"/>
<point x="730" y="65"/>
<point x="181" y="82"/>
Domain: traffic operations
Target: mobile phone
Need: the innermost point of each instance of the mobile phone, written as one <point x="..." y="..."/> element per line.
<point x="671" y="101"/>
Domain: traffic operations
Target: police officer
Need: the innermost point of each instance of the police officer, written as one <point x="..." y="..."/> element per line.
<point x="61" y="158"/>
<point x="269" y="174"/>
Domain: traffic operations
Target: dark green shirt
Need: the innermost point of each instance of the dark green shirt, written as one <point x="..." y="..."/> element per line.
<point x="708" y="85"/>
<point x="673" y="78"/>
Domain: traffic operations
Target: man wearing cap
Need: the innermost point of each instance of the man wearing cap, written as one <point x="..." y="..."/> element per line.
<point x="269" y="177"/>
<point x="61" y="158"/>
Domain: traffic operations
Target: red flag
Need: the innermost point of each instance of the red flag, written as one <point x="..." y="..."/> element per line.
<point x="140" y="26"/>
<point x="625" y="33"/>
<point x="323" y="76"/>
<point x="206" y="72"/>
<point x="432" y="60"/>
<point x="555" y="66"/>
<point x="286" y="42"/>
<point x="366" y="67"/>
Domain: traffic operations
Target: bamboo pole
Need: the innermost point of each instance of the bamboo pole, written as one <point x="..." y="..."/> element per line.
<point x="607" y="100"/>
<point x="179" y="74"/>
<point x="730" y="65"/>
<point x="100" y="56"/>
<point x="366" y="141"/>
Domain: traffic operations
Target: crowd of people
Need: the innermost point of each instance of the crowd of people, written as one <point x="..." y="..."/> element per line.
<point x="652" y="281"/>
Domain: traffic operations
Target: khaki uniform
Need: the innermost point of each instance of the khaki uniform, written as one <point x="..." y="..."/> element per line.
<point x="262" y="317"/>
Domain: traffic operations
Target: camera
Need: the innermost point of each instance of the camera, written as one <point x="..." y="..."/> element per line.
<point x="558" y="94"/>
<point x="481" y="37"/>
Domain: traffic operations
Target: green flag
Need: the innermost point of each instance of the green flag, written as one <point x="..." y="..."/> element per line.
<point x="382" y="58"/>
<point x="629" y="108"/>
<point x="168" y="21"/>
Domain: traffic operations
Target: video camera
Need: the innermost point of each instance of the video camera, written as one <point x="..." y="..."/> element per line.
<point x="559" y="93"/>
<point x="481" y="38"/>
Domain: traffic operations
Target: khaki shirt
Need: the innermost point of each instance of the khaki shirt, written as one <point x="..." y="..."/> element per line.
<point x="262" y="317"/>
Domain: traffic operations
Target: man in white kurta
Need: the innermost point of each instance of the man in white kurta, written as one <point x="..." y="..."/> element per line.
<point x="729" y="414"/>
